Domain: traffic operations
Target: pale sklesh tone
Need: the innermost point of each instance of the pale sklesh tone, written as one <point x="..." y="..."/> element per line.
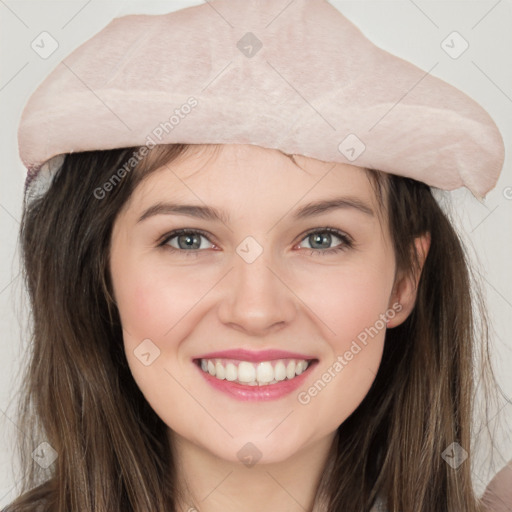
<point x="340" y="294"/>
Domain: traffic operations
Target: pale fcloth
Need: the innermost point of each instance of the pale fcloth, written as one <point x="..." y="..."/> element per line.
<point x="294" y="76"/>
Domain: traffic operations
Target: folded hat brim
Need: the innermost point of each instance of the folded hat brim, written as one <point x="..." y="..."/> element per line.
<point x="310" y="83"/>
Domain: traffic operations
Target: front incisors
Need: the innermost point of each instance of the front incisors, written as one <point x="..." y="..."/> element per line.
<point x="245" y="372"/>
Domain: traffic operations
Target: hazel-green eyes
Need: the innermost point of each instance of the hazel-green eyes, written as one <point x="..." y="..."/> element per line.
<point x="188" y="241"/>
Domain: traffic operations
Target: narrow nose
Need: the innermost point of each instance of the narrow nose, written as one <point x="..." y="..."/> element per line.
<point x="256" y="299"/>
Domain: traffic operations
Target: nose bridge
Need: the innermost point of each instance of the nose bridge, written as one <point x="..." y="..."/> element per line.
<point x="256" y="299"/>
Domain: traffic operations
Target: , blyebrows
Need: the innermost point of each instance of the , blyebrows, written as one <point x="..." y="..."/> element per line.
<point x="210" y="213"/>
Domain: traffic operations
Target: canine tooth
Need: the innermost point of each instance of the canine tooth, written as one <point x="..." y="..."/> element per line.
<point x="264" y="372"/>
<point x="300" y="367"/>
<point x="279" y="371"/>
<point x="290" y="370"/>
<point x="246" y="372"/>
<point x="211" y="368"/>
<point x="220" y="372"/>
<point x="231" y="372"/>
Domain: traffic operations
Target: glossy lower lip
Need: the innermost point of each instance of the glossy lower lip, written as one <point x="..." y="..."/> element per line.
<point x="254" y="357"/>
<point x="257" y="393"/>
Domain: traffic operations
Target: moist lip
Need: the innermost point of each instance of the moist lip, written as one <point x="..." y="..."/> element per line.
<point x="197" y="361"/>
<point x="254" y="356"/>
<point x="259" y="392"/>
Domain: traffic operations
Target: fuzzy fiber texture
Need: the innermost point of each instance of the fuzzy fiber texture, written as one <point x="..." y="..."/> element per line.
<point x="305" y="81"/>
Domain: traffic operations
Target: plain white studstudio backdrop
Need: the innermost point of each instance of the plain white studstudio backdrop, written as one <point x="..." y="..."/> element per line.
<point x="412" y="29"/>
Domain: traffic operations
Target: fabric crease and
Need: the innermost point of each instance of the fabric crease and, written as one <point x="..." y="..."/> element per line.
<point x="305" y="82"/>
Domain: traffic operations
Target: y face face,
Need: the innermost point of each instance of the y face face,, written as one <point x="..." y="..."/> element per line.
<point x="244" y="295"/>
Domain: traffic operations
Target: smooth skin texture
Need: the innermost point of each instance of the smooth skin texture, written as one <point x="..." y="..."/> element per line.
<point x="295" y="296"/>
